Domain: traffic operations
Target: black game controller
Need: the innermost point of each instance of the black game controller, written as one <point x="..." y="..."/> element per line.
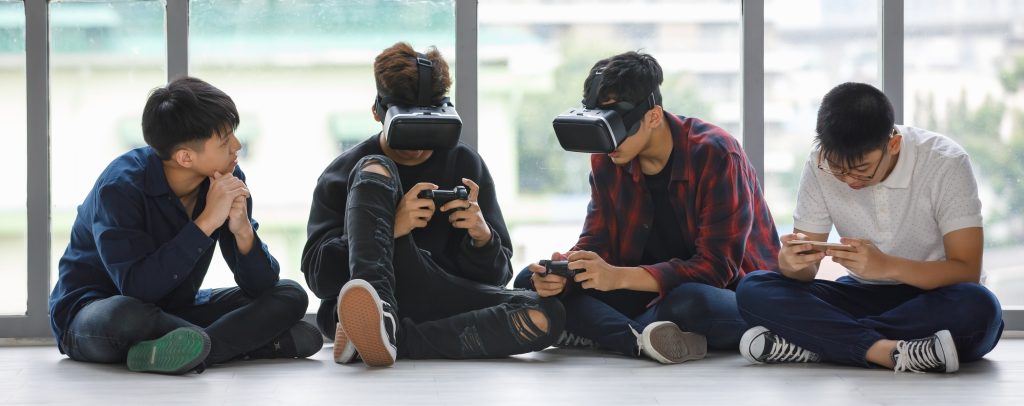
<point x="560" y="268"/>
<point x="441" y="197"/>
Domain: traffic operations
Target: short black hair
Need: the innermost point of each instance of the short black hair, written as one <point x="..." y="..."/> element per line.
<point x="854" y="119"/>
<point x="628" y="77"/>
<point x="186" y="110"/>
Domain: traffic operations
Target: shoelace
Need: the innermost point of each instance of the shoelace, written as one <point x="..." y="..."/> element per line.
<point x="785" y="351"/>
<point x="571" y="340"/>
<point x="916" y="356"/>
<point x="639" y="341"/>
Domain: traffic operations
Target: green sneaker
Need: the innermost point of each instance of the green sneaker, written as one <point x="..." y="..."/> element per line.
<point x="175" y="353"/>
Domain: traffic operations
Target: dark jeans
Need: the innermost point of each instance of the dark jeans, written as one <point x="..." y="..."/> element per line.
<point x="105" y="329"/>
<point x="606" y="317"/>
<point x="442" y="315"/>
<point x="840" y="320"/>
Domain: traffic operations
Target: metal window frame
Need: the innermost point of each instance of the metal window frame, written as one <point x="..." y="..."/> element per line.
<point x="35" y="322"/>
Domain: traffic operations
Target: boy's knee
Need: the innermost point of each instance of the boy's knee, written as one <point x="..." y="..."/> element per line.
<point x="295" y="297"/>
<point x="376" y="167"/>
<point x="539" y="319"/>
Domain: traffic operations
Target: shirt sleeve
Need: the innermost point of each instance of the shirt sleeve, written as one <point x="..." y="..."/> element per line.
<point x="257" y="271"/>
<point x="811" y="212"/>
<point x="595" y="234"/>
<point x="958" y="205"/>
<point x="490" y="263"/>
<point x="135" y="263"/>
<point x="325" y="255"/>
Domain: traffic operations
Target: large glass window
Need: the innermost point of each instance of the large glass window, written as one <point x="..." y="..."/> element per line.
<point x="810" y="47"/>
<point x="301" y="74"/>
<point x="13" y="222"/>
<point x="534" y="56"/>
<point x="104" y="60"/>
<point x="964" y="77"/>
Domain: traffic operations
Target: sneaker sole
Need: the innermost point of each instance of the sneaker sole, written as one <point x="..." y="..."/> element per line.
<point x="948" y="349"/>
<point x="344" y="352"/>
<point x="176" y="352"/>
<point x="682" y="346"/>
<point x="747" y="340"/>
<point x="362" y="320"/>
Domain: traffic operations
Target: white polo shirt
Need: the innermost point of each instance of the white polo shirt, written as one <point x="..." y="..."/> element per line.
<point x="930" y="192"/>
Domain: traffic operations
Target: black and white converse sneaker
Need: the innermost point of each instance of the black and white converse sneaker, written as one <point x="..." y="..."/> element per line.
<point x="664" y="342"/>
<point x="570" y="340"/>
<point x="930" y="354"/>
<point x="369" y="323"/>
<point x="760" y="346"/>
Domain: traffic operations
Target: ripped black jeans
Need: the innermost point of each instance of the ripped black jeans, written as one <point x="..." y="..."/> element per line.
<point x="442" y="315"/>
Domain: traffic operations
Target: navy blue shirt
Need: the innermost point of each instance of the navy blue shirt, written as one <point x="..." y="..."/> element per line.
<point x="132" y="237"/>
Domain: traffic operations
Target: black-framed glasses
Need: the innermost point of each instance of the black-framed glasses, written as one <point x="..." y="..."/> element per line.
<point x="825" y="167"/>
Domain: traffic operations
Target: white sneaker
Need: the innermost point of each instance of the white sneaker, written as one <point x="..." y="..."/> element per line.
<point x="760" y="346"/>
<point x="664" y="342"/>
<point x="344" y="351"/>
<point x="930" y="354"/>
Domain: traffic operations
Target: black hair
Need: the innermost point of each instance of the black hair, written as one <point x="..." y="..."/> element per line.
<point x="184" y="111"/>
<point x="627" y="77"/>
<point x="853" y="120"/>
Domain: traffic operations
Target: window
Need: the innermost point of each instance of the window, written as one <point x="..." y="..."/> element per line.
<point x="13" y="218"/>
<point x="534" y="56"/>
<point x="964" y="77"/>
<point x="810" y="47"/>
<point x="301" y="74"/>
<point x="104" y="60"/>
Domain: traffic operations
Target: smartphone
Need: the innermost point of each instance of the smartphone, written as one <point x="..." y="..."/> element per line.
<point x="820" y="246"/>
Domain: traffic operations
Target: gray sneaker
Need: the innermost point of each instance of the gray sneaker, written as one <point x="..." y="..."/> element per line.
<point x="761" y="346"/>
<point x="664" y="342"/>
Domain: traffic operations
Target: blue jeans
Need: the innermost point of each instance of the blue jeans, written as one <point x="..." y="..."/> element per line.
<point x="606" y="317"/>
<point x="840" y="320"/>
<point x="105" y="329"/>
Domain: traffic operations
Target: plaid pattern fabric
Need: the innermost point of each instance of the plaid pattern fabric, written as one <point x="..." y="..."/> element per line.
<point x="713" y="187"/>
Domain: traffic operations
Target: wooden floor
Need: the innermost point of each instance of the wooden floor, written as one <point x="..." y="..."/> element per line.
<point x="40" y="375"/>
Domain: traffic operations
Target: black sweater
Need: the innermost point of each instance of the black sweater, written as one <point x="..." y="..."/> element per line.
<point x="325" y="256"/>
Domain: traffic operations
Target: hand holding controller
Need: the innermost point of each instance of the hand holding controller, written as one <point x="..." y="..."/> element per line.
<point x="560" y="268"/>
<point x="441" y="197"/>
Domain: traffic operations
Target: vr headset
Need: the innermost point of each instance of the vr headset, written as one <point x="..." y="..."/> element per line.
<point x="423" y="126"/>
<point x="598" y="129"/>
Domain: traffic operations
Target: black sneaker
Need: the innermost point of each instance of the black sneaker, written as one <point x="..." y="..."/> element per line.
<point x="175" y="353"/>
<point x="664" y="342"/>
<point x="369" y="323"/>
<point x="760" y="346"/>
<point x="302" y="340"/>
<point x="930" y="354"/>
<point x="570" y="340"/>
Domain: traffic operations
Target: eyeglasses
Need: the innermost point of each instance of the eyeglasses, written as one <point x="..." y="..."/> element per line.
<point x="824" y="166"/>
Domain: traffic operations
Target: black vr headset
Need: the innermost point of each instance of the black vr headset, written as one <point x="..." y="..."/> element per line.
<point x="599" y="129"/>
<point x="423" y="126"/>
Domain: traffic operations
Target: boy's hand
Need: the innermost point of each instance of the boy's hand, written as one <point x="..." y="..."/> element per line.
<point x="413" y="212"/>
<point x="466" y="214"/>
<point x="224" y="189"/>
<point x="597" y="274"/>
<point x="796" y="258"/>
<point x="238" y="217"/>
<point x="866" y="260"/>
<point x="547" y="285"/>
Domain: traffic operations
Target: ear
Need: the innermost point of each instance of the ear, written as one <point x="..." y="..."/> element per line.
<point x="655" y="117"/>
<point x="896" y="144"/>
<point x="373" y="110"/>
<point x="184" y="157"/>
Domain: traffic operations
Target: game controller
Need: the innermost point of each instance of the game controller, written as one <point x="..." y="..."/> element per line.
<point x="560" y="268"/>
<point x="441" y="197"/>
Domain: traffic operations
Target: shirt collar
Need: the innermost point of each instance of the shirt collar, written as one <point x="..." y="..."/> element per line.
<point x="900" y="176"/>
<point x="156" y="180"/>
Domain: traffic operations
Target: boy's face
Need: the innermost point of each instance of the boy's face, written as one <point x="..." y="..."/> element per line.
<point x="218" y="154"/>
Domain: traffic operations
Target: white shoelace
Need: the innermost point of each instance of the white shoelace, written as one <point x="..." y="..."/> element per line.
<point x="916" y="356"/>
<point x="784" y="351"/>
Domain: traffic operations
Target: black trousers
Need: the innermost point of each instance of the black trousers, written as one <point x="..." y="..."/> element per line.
<point x="105" y="329"/>
<point x="442" y="315"/>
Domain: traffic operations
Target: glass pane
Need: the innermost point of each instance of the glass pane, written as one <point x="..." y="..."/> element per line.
<point x="810" y="47"/>
<point x="104" y="60"/>
<point x="301" y="75"/>
<point x="534" y="57"/>
<point x="964" y="77"/>
<point x="13" y="222"/>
